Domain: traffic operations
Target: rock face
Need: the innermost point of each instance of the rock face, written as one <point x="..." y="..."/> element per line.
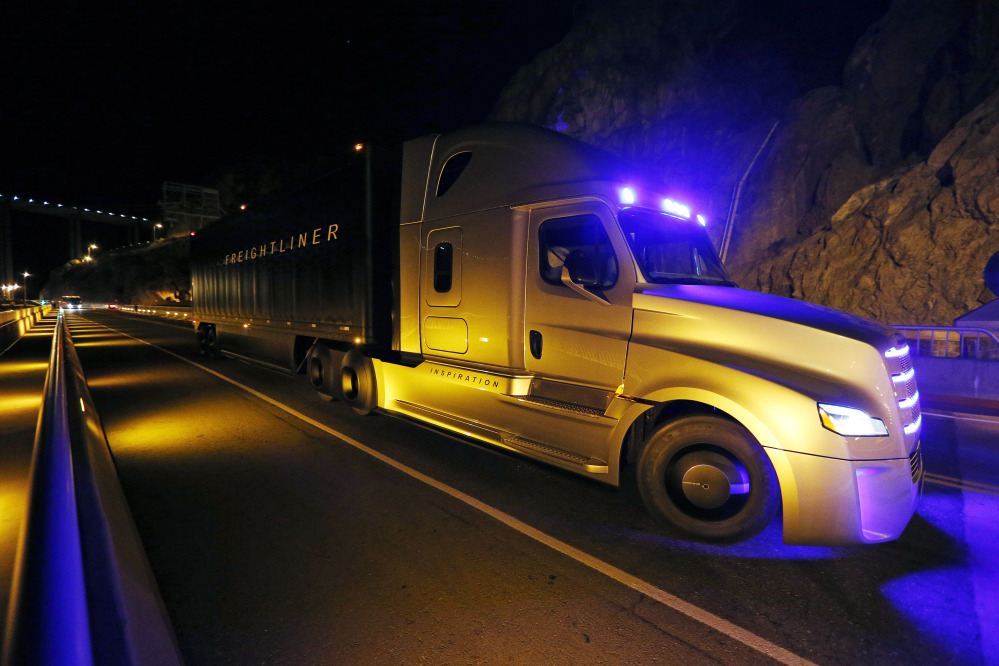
<point x="876" y="196"/>
<point x="150" y="275"/>
<point x="908" y="249"/>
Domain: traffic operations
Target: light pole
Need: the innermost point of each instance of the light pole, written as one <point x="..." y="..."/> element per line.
<point x="26" y="275"/>
<point x="90" y="247"/>
<point x="158" y="226"/>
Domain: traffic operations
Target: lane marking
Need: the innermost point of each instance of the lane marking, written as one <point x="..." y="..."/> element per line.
<point x="706" y="618"/>
<point x="951" y="482"/>
<point x="963" y="416"/>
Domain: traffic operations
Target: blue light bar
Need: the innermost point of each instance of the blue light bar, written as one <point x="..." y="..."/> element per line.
<point x="627" y="196"/>
<point x="702" y="221"/>
<point x="896" y="352"/>
<point x="676" y="208"/>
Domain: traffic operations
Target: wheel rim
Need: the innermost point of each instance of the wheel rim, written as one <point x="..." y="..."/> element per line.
<point x="707" y="483"/>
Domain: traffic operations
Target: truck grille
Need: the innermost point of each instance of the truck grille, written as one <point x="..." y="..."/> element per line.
<point x="903" y="377"/>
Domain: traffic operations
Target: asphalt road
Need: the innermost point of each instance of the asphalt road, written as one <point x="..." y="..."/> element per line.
<point x="286" y="530"/>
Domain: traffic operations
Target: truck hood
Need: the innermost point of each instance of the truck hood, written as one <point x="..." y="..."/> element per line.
<point x="674" y="299"/>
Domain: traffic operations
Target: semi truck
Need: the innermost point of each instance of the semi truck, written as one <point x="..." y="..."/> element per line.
<point x="520" y="288"/>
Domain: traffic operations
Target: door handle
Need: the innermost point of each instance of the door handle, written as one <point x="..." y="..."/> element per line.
<point x="536" y="342"/>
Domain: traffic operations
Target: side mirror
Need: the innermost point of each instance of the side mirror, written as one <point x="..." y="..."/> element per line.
<point x="581" y="269"/>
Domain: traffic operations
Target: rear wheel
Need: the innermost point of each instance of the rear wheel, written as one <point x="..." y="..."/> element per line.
<point x="357" y="382"/>
<point x="708" y="477"/>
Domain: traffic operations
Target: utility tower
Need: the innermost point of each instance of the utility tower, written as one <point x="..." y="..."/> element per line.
<point x="189" y="207"/>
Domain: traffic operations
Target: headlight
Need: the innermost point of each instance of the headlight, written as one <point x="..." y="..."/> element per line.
<point x="851" y="422"/>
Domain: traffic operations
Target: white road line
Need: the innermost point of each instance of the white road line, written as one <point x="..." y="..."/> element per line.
<point x="690" y="610"/>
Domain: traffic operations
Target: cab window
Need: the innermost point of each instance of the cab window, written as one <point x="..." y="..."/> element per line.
<point x="580" y="244"/>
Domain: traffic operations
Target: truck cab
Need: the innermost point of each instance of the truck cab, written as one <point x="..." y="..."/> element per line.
<point x="556" y="304"/>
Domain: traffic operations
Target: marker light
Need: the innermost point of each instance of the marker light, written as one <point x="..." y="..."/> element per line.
<point x="909" y="402"/>
<point x="676" y="208"/>
<point x="703" y="222"/>
<point x="914" y="426"/>
<point x="626" y="196"/>
<point x="851" y="422"/>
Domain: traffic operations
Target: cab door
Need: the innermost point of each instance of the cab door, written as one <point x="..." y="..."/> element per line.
<point x="580" y="285"/>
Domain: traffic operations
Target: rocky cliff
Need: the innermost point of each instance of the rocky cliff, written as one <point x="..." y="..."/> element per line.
<point x="877" y="195"/>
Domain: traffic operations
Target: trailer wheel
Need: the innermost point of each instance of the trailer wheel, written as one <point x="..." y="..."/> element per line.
<point x="357" y="382"/>
<point x="212" y="349"/>
<point x="322" y="370"/>
<point x="202" y="341"/>
<point x="708" y="477"/>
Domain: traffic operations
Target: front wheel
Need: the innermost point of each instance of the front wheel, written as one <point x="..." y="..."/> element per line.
<point x="708" y="477"/>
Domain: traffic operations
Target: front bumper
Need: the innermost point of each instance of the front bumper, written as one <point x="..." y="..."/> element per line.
<point x="846" y="501"/>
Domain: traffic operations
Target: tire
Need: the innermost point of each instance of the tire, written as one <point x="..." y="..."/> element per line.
<point x="322" y="370"/>
<point x="357" y="382"/>
<point x="202" y="342"/>
<point x="212" y="343"/>
<point x="709" y="478"/>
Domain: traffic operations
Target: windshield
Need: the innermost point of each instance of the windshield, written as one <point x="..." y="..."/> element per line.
<point x="670" y="251"/>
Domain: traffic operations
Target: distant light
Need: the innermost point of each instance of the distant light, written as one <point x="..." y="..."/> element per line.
<point x="192" y="233"/>
<point x="357" y="341"/>
<point x="242" y="206"/>
<point x="702" y="221"/>
<point x="626" y="196"/>
<point x="676" y="208"/>
<point x="358" y="147"/>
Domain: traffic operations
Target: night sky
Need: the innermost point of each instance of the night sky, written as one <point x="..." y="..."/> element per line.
<point x="99" y="106"/>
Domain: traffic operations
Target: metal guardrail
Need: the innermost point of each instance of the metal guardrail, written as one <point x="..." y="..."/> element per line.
<point x="15" y="323"/>
<point x="83" y="592"/>
<point x="951" y="342"/>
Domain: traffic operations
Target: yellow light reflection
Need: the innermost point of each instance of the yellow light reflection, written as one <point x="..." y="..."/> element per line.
<point x="165" y="431"/>
<point x="113" y="342"/>
<point x="138" y="376"/>
<point x="13" y="504"/>
<point x="20" y="402"/>
<point x="25" y="366"/>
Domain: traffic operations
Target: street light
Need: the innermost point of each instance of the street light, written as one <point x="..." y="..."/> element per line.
<point x="157" y="226"/>
<point x="26" y="275"/>
<point x="89" y="248"/>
